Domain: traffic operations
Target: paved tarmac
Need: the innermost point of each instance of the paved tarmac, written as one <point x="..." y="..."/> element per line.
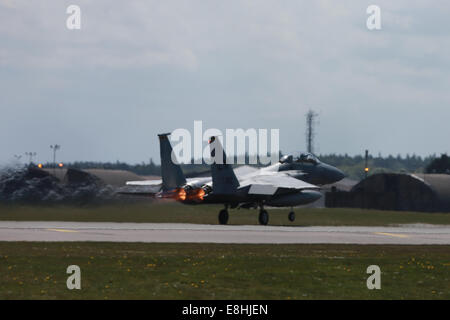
<point x="200" y="233"/>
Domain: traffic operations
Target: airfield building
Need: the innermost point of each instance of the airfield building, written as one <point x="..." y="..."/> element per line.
<point x="394" y="191"/>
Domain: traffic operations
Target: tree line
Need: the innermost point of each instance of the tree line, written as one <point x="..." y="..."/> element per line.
<point x="353" y="166"/>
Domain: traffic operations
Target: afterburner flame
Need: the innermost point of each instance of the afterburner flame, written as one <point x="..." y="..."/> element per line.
<point x="196" y="195"/>
<point x="201" y="194"/>
<point x="180" y="194"/>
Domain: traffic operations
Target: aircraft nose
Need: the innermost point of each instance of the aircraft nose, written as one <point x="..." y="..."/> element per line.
<point x="333" y="174"/>
<point x="339" y="175"/>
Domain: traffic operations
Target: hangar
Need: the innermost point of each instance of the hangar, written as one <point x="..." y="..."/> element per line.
<point x="115" y="178"/>
<point x="396" y="191"/>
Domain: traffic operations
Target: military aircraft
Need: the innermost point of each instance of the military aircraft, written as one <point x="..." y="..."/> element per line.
<point x="287" y="183"/>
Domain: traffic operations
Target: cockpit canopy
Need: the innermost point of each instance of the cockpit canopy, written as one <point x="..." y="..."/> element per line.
<point x="305" y="157"/>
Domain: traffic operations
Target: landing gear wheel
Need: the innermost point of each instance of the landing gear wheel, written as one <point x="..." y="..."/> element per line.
<point x="223" y="216"/>
<point x="263" y="217"/>
<point x="291" y="216"/>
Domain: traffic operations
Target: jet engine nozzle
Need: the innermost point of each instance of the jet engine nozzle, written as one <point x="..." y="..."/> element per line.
<point x="178" y="194"/>
<point x="196" y="195"/>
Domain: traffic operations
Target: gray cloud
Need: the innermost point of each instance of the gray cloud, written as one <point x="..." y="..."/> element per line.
<point x="137" y="68"/>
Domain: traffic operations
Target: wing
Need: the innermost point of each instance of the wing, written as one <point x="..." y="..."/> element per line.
<point x="271" y="183"/>
<point x="139" y="190"/>
<point x="145" y="183"/>
<point x="244" y="170"/>
<point x="151" y="187"/>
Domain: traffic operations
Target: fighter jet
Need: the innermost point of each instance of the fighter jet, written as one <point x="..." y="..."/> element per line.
<point x="284" y="184"/>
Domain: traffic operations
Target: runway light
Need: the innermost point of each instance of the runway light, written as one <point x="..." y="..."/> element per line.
<point x="40" y="166"/>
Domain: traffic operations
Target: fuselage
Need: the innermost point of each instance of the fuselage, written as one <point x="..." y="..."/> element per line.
<point x="309" y="170"/>
<point x="315" y="173"/>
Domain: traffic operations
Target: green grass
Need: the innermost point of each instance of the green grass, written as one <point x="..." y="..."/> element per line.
<point x="175" y="212"/>
<point x="215" y="271"/>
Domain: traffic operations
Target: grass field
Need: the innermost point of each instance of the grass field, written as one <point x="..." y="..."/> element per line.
<point x="175" y="212"/>
<point x="215" y="271"/>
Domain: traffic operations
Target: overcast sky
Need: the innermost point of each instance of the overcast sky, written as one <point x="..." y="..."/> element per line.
<point x="138" y="68"/>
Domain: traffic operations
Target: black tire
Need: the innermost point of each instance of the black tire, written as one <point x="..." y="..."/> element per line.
<point x="291" y="216"/>
<point x="223" y="216"/>
<point x="263" y="217"/>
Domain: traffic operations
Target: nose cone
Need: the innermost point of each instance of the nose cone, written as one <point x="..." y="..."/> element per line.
<point x="338" y="175"/>
<point x="332" y="174"/>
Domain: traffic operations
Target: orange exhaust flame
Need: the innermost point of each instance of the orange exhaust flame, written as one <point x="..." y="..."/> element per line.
<point x="178" y="194"/>
<point x="196" y="195"/>
<point x="201" y="194"/>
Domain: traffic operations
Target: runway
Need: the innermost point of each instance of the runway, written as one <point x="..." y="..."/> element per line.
<point x="173" y="232"/>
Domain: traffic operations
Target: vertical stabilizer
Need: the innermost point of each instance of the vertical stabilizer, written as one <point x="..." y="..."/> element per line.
<point x="172" y="175"/>
<point x="224" y="180"/>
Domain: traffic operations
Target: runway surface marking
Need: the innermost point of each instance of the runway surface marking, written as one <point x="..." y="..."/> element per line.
<point x="62" y="230"/>
<point x="392" y="234"/>
<point x="202" y="233"/>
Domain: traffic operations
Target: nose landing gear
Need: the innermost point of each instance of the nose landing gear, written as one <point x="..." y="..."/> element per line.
<point x="291" y="216"/>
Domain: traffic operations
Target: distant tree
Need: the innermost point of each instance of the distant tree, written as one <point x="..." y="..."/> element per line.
<point x="439" y="165"/>
<point x="353" y="166"/>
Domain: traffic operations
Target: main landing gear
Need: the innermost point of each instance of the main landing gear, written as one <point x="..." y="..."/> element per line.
<point x="263" y="216"/>
<point x="223" y="216"/>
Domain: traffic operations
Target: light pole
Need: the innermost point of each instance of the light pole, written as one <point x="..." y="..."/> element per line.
<point x="366" y="167"/>
<point x="364" y="183"/>
<point x="54" y="147"/>
<point x="30" y="155"/>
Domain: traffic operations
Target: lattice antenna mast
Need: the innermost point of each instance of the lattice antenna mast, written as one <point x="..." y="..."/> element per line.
<point x="310" y="130"/>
